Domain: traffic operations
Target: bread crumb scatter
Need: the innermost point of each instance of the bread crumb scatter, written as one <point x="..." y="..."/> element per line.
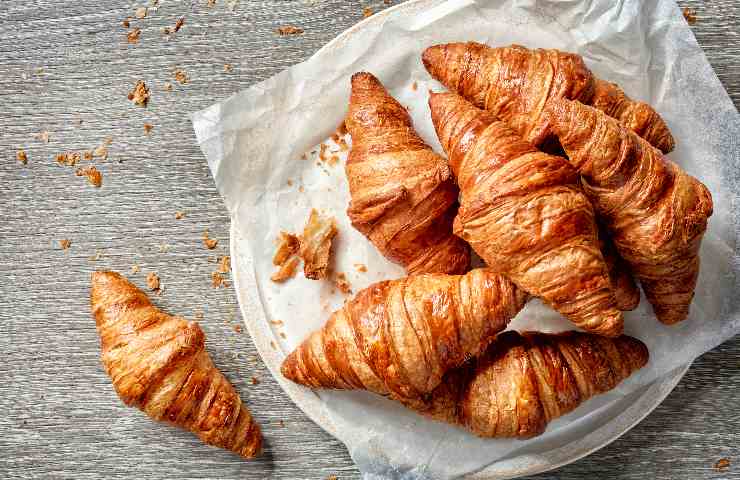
<point x="333" y="160"/>
<point x="96" y="256"/>
<point x="287" y="270"/>
<point x="690" y="15"/>
<point x="93" y="175"/>
<point x="21" y="156"/>
<point x="361" y="267"/>
<point x="286" y="257"/>
<point x="133" y="35"/>
<point x="148" y="128"/>
<point x="722" y="464"/>
<point x="414" y="86"/>
<point x="367" y="12"/>
<point x="43" y="136"/>
<point x="272" y="344"/>
<point x="301" y="189"/>
<point x="179" y="23"/>
<point x="152" y="281"/>
<point x="87" y="155"/>
<point x="179" y="215"/>
<point x="135" y="269"/>
<point x="65" y="243"/>
<point x="69" y="159"/>
<point x="199" y="314"/>
<point x="126" y="23"/>
<point x="289" y="30"/>
<point x="181" y="76"/>
<point x="224" y="264"/>
<point x="140" y="12"/>
<point x="276" y="322"/>
<point x="168" y="86"/>
<point x="140" y="94"/>
<point x="255" y="380"/>
<point x="210" y="243"/>
<point x="334" y="477"/>
<point x="228" y="67"/>
<point x="218" y="281"/>
<point x="322" y="152"/>
<point x="101" y="151"/>
<point x="238" y="328"/>
<point x="316" y="243"/>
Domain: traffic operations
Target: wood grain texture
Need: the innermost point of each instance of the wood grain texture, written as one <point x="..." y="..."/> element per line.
<point x="66" y="60"/>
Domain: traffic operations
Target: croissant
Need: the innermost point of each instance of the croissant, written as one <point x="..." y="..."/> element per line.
<point x="524" y="381"/>
<point x="655" y="212"/>
<point x="626" y="292"/>
<point x="514" y="83"/>
<point x="158" y="363"/>
<point x="523" y="212"/>
<point x="399" y="337"/>
<point x="403" y="197"/>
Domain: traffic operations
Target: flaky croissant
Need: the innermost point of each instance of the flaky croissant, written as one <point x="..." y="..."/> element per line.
<point x="399" y="337"/>
<point x="655" y="212"/>
<point x="158" y="363"/>
<point x="403" y="197"/>
<point x="515" y="83"/>
<point x="626" y="293"/>
<point x="522" y="382"/>
<point x="524" y="213"/>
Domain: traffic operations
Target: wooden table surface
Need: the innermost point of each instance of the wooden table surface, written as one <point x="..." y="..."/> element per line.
<point x="66" y="69"/>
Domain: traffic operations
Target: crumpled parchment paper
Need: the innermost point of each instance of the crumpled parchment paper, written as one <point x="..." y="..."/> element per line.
<point x="255" y="140"/>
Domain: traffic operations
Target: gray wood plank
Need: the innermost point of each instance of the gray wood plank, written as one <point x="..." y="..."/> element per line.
<point x="64" y="61"/>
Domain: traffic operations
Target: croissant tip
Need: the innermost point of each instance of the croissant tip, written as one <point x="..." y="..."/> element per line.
<point x="360" y="78"/>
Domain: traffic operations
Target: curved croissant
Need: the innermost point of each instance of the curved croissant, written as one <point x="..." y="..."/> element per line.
<point x="626" y="293"/>
<point x="514" y="83"/>
<point x="524" y="213"/>
<point x="158" y="363"/>
<point x="399" y="337"/>
<point x="522" y="382"/>
<point x="655" y="212"/>
<point x="403" y="196"/>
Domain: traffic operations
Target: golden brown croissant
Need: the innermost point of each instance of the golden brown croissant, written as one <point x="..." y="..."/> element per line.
<point x="515" y="83"/>
<point x="626" y="292"/>
<point x="158" y="363"/>
<point x="399" y="337"/>
<point x="524" y="213"/>
<point x="403" y="196"/>
<point x="655" y="212"/>
<point x="522" y="382"/>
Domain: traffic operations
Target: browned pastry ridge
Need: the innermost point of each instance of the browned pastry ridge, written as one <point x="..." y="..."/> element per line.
<point x="524" y="381"/>
<point x="524" y="213"/>
<point x="626" y="292"/>
<point x="403" y="197"/>
<point x="399" y="337"/>
<point x="655" y="212"/>
<point x="515" y="83"/>
<point x="158" y="364"/>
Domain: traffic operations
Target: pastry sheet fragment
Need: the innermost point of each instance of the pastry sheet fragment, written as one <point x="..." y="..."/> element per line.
<point x="255" y="142"/>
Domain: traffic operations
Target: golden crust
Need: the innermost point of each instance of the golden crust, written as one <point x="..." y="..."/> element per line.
<point x="655" y="212"/>
<point x="399" y="337"/>
<point x="524" y="213"/>
<point x="158" y="364"/>
<point x="403" y="197"/>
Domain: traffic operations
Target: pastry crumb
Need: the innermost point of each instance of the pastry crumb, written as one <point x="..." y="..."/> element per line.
<point x="43" y="136"/>
<point x="181" y="76"/>
<point x="179" y="23"/>
<point x="95" y="257"/>
<point x="148" y="128"/>
<point x="289" y="30"/>
<point x="333" y="160"/>
<point x="287" y="270"/>
<point x="140" y="12"/>
<point x="238" y="328"/>
<point x="228" y="67"/>
<point x="126" y="23"/>
<point x="367" y="12"/>
<point x="288" y="246"/>
<point x="301" y="189"/>
<point x="140" y="94"/>
<point x="273" y="345"/>
<point x="152" y="281"/>
<point x="276" y="322"/>
<point x="101" y="151"/>
<point x="87" y="155"/>
<point x="179" y="215"/>
<point x="69" y="159"/>
<point x="224" y="264"/>
<point x="722" y="464"/>
<point x="65" y="243"/>
<point x="341" y="282"/>
<point x="316" y="243"/>
<point x="282" y="335"/>
<point x="133" y="35"/>
<point x="210" y="243"/>
<point x="135" y="269"/>
<point x="690" y="15"/>
<point x="198" y="314"/>
<point x="217" y="280"/>
<point x="255" y="381"/>
<point x="334" y="477"/>
<point x="414" y="86"/>
<point x="21" y="156"/>
<point x="361" y="267"/>
<point x="168" y="86"/>
<point x="93" y="175"/>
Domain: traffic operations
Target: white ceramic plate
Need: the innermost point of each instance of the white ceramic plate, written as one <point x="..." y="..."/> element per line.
<point x="567" y="447"/>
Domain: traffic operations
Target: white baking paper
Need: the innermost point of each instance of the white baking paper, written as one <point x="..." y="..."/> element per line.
<point x="254" y="142"/>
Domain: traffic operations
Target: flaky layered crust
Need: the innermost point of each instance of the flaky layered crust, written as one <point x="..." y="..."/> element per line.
<point x="523" y="212"/>
<point x="514" y="83"/>
<point x="158" y="364"/>
<point x="523" y="382"/>
<point x="403" y="197"/>
<point x="400" y="337"/>
<point x="655" y="212"/>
